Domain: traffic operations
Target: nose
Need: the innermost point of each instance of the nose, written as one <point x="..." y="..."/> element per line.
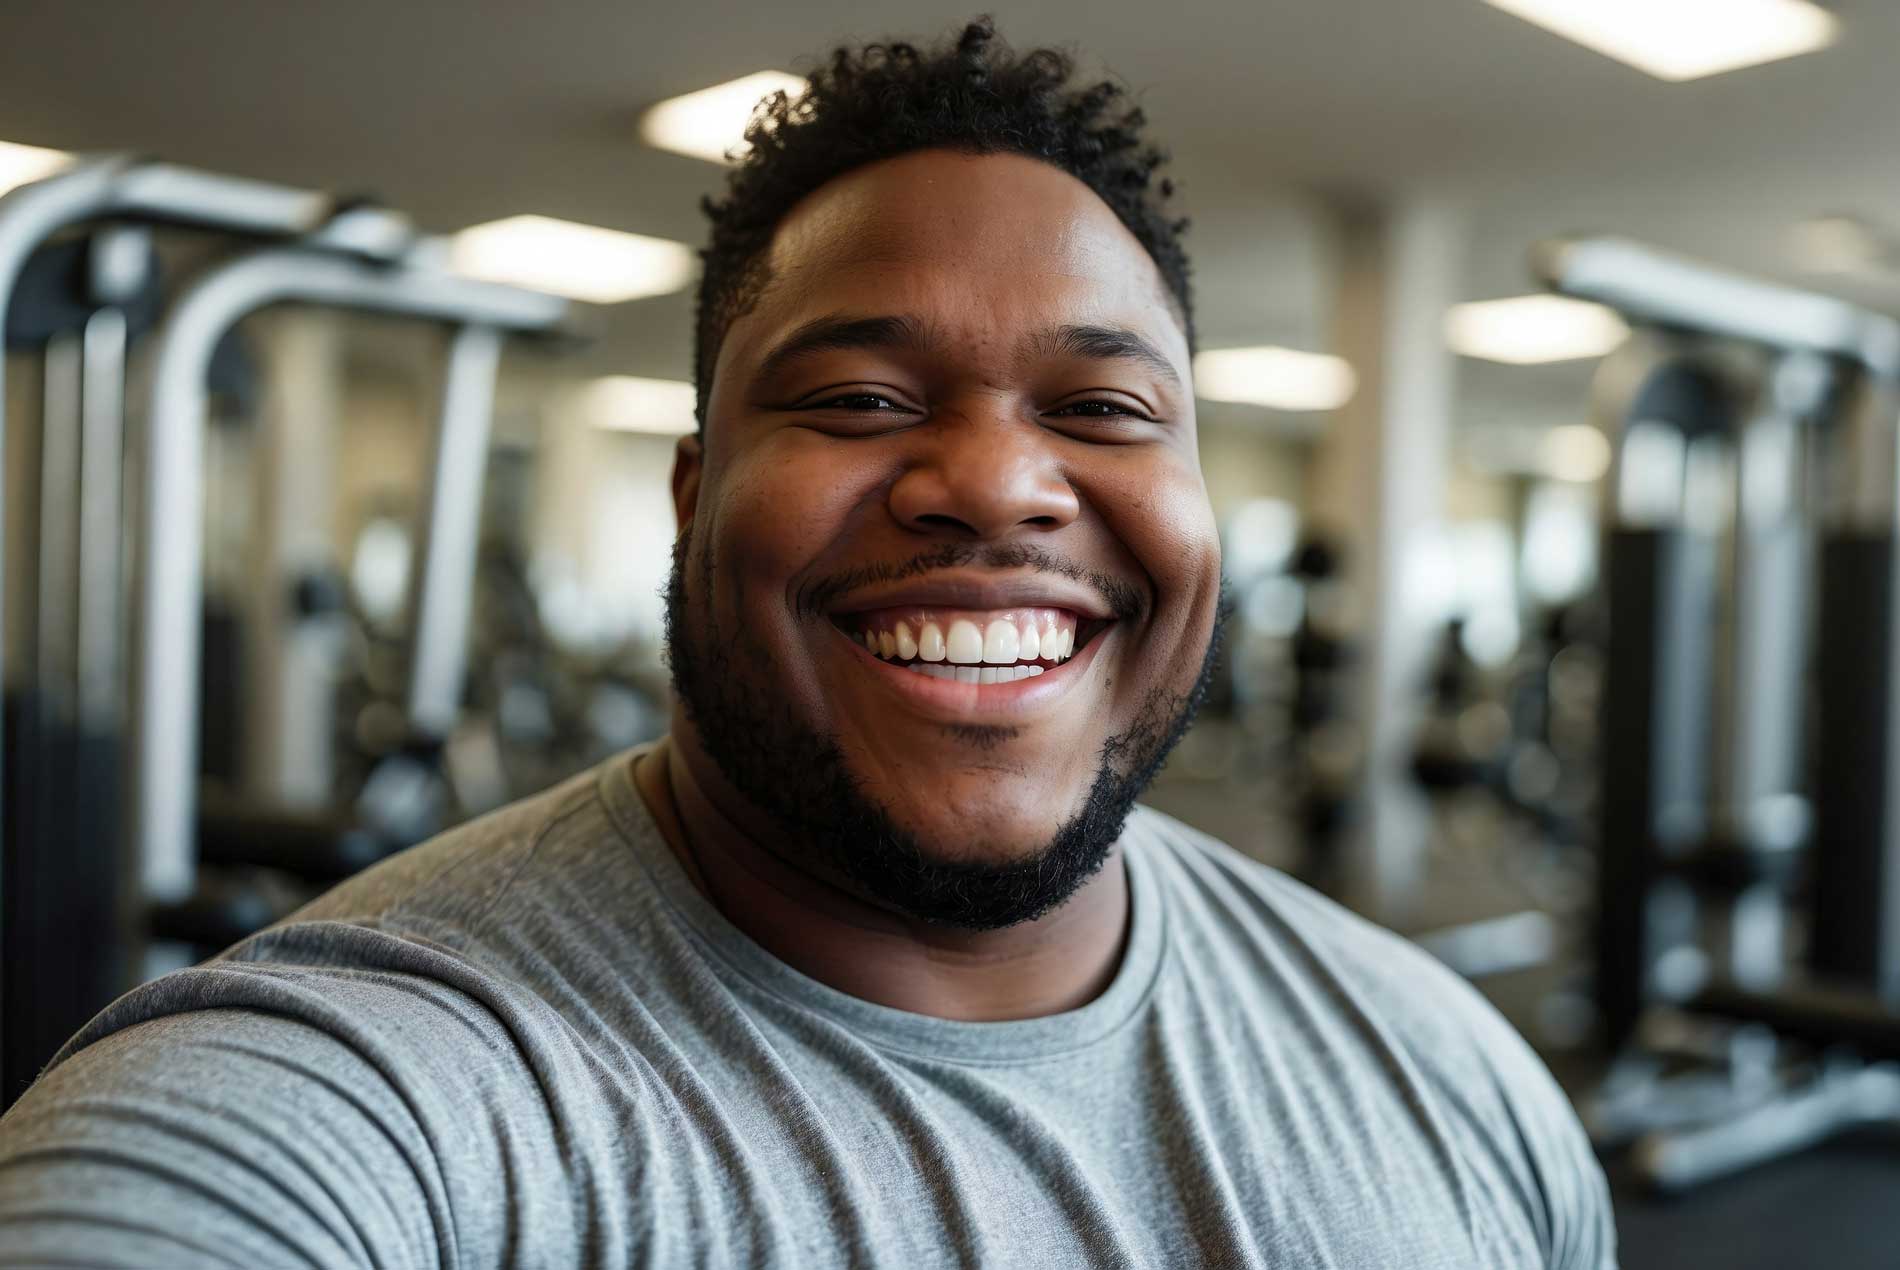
<point x="984" y="477"/>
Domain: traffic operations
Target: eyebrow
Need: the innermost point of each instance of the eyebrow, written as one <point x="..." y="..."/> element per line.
<point x="908" y="333"/>
<point x="1105" y="343"/>
<point x="901" y="332"/>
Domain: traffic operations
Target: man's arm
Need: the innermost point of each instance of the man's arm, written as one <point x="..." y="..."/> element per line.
<point x="1563" y="1167"/>
<point x="329" y="1094"/>
<point x="217" y="1137"/>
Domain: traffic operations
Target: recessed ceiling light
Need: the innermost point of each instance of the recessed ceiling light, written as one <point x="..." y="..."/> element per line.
<point x="582" y="262"/>
<point x="627" y="403"/>
<point x="1684" y="39"/>
<point x="20" y="164"/>
<point x="1576" y="452"/>
<point x="1533" y="328"/>
<point x="710" y="124"/>
<point x="1279" y="378"/>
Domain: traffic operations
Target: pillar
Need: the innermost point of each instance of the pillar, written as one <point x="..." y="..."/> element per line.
<point x="1376" y="486"/>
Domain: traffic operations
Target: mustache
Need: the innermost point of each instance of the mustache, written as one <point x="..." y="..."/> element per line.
<point x="1124" y="600"/>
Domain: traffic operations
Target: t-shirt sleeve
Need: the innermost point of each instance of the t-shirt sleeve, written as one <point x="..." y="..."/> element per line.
<point x="288" y="1115"/>
<point x="1515" y="1135"/>
<point x="1547" y="1145"/>
<point x="1514" y="1127"/>
<point x="219" y="1137"/>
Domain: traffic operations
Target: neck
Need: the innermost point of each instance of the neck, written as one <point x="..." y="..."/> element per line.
<point x="819" y="925"/>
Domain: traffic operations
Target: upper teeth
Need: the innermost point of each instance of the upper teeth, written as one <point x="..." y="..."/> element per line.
<point x="999" y="642"/>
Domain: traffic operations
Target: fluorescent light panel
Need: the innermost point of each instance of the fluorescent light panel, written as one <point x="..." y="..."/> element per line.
<point x="1279" y="378"/>
<point x="710" y="124"/>
<point x="582" y="262"/>
<point x="627" y="403"/>
<point x="21" y="164"/>
<point x="1684" y="39"/>
<point x="1533" y="328"/>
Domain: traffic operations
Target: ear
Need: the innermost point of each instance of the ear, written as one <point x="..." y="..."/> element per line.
<point x="688" y="463"/>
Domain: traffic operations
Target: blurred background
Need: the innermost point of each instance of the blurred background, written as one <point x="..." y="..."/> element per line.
<point x="1546" y="406"/>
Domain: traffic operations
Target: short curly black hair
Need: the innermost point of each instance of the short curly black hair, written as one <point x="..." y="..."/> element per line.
<point x="973" y="94"/>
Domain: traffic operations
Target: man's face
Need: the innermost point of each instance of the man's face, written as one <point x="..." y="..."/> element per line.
<point x="954" y="440"/>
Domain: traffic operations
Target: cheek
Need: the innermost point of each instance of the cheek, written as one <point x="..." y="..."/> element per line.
<point x="777" y="511"/>
<point x="1156" y="507"/>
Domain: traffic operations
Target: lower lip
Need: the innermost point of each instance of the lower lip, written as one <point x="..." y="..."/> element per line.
<point x="953" y="698"/>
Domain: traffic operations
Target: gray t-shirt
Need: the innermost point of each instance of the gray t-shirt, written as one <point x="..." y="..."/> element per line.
<point x="532" y="1042"/>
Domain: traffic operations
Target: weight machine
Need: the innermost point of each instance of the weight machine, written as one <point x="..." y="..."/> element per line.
<point x="1748" y="734"/>
<point x="69" y="920"/>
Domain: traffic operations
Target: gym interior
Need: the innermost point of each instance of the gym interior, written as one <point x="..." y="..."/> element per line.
<point x="1547" y="386"/>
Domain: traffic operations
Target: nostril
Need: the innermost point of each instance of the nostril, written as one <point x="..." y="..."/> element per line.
<point x="936" y="520"/>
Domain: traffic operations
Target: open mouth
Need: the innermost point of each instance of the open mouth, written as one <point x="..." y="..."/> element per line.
<point x="972" y="645"/>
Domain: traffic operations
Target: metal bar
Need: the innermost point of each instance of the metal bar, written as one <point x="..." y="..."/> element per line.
<point x="1660" y="584"/>
<point x="1760" y="804"/>
<point x="123" y="187"/>
<point x="93" y="860"/>
<point x="120" y="187"/>
<point x="1655" y="287"/>
<point x="1815" y="1014"/>
<point x="442" y="579"/>
<point x="186" y="196"/>
<point x="1856" y="857"/>
<point x="55" y="669"/>
<point x="117" y="185"/>
<point x="172" y="582"/>
<point x="1652" y="399"/>
<point x="1833" y="1102"/>
<point x="101" y="520"/>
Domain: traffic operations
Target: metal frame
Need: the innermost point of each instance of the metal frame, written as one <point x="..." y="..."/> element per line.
<point x="1659" y="289"/>
<point x="172" y="583"/>
<point x="440" y="597"/>
<point x="1824" y="350"/>
<point x="121" y="187"/>
<point x="1857" y="772"/>
<point x="124" y="188"/>
<point x="1659" y="576"/>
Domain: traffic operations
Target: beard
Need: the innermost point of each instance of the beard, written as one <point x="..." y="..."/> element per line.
<point x="798" y="777"/>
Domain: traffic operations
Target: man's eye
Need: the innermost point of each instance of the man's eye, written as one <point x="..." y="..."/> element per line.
<point x="855" y="401"/>
<point x="1097" y="409"/>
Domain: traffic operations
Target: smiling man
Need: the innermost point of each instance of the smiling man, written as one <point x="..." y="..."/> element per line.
<point x="872" y="961"/>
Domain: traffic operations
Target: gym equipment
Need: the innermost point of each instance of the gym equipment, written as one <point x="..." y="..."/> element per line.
<point x="1748" y="420"/>
<point x="61" y="838"/>
<point x="81" y="302"/>
<point x="407" y="283"/>
<point x="62" y="963"/>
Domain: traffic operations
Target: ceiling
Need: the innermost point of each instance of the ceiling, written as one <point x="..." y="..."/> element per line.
<point x="465" y="110"/>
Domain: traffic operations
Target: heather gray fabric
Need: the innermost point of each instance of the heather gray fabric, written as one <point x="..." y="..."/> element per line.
<point x="532" y="1043"/>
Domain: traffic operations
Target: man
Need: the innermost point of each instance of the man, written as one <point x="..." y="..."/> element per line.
<point x="869" y="963"/>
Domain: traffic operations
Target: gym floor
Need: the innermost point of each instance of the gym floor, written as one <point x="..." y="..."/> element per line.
<point x="1833" y="1207"/>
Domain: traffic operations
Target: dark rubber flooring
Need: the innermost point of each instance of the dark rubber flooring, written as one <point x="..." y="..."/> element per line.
<point x="1836" y="1207"/>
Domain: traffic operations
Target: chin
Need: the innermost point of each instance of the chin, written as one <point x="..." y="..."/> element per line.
<point x="990" y="820"/>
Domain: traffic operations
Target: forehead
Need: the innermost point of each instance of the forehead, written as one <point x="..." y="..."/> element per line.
<point x="994" y="240"/>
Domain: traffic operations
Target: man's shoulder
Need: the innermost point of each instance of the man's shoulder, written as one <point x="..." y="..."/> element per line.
<point x="459" y="877"/>
<point x="438" y="940"/>
<point x="1219" y="883"/>
<point x="1383" y="1010"/>
<point x="1220" y="896"/>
